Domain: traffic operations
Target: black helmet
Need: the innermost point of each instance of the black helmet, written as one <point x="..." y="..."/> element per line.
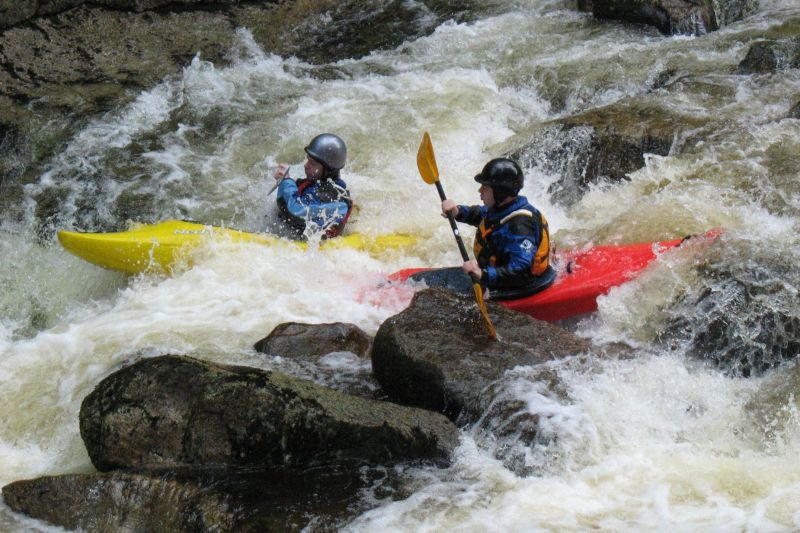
<point x="328" y="149"/>
<point x="503" y="175"/>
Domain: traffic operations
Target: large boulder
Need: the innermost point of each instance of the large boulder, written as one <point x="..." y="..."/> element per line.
<point x="312" y="341"/>
<point x="770" y="56"/>
<point x="436" y="354"/>
<point x="694" y="17"/>
<point x="794" y="112"/>
<point x="119" y="502"/>
<point x="105" y="51"/>
<point x="173" y="411"/>
<point x="606" y="143"/>
<point x="204" y="499"/>
<point x="13" y="13"/>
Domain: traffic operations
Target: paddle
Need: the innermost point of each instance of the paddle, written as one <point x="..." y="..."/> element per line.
<point x="426" y="163"/>
<point x="278" y="182"/>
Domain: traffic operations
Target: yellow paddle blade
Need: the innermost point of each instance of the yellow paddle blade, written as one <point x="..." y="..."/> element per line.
<point x="426" y="161"/>
<point x="484" y="312"/>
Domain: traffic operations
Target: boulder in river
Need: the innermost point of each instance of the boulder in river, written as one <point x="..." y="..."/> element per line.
<point x="322" y="498"/>
<point x="174" y="411"/>
<point x="312" y="341"/>
<point x="436" y="354"/>
<point x="770" y="56"/>
<point x="605" y="143"/>
<point x="119" y="502"/>
<point x="692" y="17"/>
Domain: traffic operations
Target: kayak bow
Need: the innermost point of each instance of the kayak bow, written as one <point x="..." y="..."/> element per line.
<point x="584" y="274"/>
<point x="164" y="246"/>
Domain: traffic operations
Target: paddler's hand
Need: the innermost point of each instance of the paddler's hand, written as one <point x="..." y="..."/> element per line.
<point x="281" y="172"/>
<point x="449" y="207"/>
<point x="472" y="269"/>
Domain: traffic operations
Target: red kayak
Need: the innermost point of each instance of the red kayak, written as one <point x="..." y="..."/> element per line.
<point x="584" y="275"/>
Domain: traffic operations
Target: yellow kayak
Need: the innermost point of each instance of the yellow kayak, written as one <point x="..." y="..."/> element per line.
<point x="162" y="246"/>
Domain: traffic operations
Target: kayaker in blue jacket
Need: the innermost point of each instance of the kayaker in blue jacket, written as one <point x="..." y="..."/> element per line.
<point x="512" y="243"/>
<point x="320" y="202"/>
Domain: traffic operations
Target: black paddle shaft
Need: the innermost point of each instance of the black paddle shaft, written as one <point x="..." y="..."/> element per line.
<point x="453" y="225"/>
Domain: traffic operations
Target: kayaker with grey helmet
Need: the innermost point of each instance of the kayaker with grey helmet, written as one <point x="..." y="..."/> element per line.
<point x="512" y="244"/>
<point x="320" y="202"/>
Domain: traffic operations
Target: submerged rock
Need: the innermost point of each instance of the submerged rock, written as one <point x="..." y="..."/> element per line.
<point x="312" y="341"/>
<point x="436" y="353"/>
<point x="173" y="411"/>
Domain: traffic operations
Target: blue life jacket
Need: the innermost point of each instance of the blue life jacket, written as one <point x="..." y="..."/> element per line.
<point x="315" y="205"/>
<point x="512" y="244"/>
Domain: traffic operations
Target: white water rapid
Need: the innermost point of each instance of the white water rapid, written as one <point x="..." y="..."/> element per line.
<point x="659" y="442"/>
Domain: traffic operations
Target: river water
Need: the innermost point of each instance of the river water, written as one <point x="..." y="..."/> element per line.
<point x="680" y="437"/>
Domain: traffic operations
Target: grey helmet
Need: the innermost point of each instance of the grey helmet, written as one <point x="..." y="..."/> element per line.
<point x="328" y="149"/>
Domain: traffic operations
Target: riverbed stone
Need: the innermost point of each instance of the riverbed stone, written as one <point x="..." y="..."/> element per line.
<point x="312" y="341"/>
<point x="205" y="499"/>
<point x="173" y="411"/>
<point x="437" y="355"/>
<point x="601" y="144"/>
<point x="794" y="112"/>
<point x="119" y="502"/>
<point x="692" y="17"/>
<point x="771" y="55"/>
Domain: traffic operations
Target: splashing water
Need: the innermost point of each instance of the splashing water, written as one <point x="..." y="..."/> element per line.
<point x="676" y="436"/>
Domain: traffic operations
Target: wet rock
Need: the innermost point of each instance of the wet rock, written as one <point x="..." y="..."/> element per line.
<point x="794" y="112"/>
<point x="436" y="353"/>
<point x="134" y="47"/>
<point x="312" y="341"/>
<point x="322" y="498"/>
<point x="693" y="17"/>
<point x="13" y="13"/>
<point x="97" y="46"/>
<point x="601" y="144"/>
<point x="69" y="60"/>
<point x="118" y="502"/>
<point x="330" y="30"/>
<point x="771" y="56"/>
<point x="174" y="411"/>
<point x="741" y="320"/>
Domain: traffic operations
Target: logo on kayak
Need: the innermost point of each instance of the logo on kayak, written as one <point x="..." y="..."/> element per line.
<point x="526" y="245"/>
<point x="192" y="232"/>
